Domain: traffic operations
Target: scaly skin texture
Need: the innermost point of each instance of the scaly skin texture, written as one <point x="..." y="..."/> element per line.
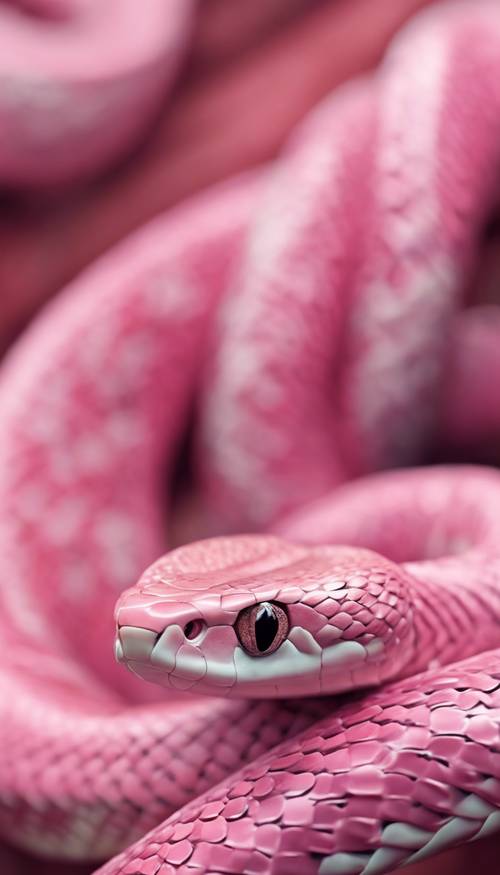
<point x="347" y="610"/>
<point x="79" y="82"/>
<point x="93" y="403"/>
<point x="397" y="775"/>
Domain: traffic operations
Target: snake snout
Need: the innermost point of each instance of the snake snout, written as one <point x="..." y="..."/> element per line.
<point x="133" y="644"/>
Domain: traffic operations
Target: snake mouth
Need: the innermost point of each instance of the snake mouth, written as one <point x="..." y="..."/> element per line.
<point x="174" y="658"/>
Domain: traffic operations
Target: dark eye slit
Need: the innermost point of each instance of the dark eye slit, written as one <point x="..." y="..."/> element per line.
<point x="266" y="627"/>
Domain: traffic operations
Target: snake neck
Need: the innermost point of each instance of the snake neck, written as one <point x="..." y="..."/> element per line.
<point x="455" y="609"/>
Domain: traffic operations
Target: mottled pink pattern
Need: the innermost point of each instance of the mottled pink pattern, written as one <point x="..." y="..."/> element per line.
<point x="343" y="271"/>
<point x="361" y="247"/>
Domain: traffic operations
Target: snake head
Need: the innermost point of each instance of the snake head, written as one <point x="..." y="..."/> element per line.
<point x="258" y="616"/>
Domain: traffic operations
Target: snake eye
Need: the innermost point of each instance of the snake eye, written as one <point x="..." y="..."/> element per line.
<point x="262" y="628"/>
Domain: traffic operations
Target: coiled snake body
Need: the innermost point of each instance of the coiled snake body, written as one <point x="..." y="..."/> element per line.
<point x="79" y="81"/>
<point x="328" y="275"/>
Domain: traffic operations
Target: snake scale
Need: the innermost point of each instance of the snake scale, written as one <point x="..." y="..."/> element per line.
<point x="314" y="312"/>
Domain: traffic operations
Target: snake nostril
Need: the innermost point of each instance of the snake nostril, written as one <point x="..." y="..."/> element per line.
<point x="193" y="629"/>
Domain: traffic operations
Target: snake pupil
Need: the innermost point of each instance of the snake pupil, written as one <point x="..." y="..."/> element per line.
<point x="266" y="627"/>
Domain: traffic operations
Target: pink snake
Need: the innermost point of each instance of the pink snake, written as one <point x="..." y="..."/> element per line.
<point x="345" y="269"/>
<point x="80" y="80"/>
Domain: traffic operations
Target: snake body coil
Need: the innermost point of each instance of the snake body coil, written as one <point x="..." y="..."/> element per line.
<point x="316" y="313"/>
<point x="79" y="82"/>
